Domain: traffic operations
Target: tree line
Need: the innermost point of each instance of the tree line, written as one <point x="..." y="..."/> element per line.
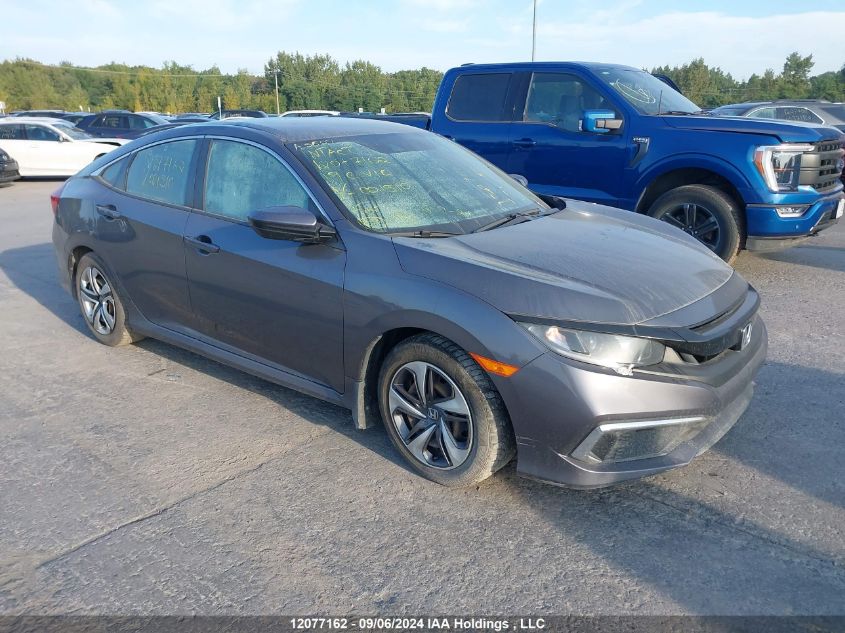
<point x="321" y="82"/>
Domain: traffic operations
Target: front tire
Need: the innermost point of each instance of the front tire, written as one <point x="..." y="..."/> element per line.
<point x="443" y="413"/>
<point x="99" y="303"/>
<point x="707" y="214"/>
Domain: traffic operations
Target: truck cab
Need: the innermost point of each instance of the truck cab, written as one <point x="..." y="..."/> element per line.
<point x="619" y="136"/>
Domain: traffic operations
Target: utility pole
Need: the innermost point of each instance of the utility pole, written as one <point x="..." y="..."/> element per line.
<point x="276" y="77"/>
<point x="534" y="33"/>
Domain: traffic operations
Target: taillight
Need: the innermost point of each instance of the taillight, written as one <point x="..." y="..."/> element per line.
<point x="55" y="197"/>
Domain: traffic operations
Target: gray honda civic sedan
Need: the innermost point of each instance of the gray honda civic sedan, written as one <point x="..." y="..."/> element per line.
<point x="393" y="272"/>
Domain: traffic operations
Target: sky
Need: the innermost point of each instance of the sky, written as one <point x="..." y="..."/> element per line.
<point x="740" y="36"/>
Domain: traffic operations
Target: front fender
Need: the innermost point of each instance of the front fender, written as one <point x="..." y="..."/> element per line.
<point x="715" y="164"/>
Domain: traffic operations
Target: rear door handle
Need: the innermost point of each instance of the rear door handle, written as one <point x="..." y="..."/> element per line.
<point x="108" y="211"/>
<point x="525" y="142"/>
<point x="203" y="244"/>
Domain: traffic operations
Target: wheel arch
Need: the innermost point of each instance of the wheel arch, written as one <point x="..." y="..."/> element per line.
<point x="74" y="256"/>
<point x="681" y="176"/>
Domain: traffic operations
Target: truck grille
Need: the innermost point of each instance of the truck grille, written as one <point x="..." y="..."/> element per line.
<point x="821" y="169"/>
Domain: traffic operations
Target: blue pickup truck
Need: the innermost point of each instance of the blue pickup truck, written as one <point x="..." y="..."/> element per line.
<point x="619" y="136"/>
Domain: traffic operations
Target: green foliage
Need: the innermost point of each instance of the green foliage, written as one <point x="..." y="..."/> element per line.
<point x="320" y="82"/>
<point x="711" y="87"/>
<point x="315" y="82"/>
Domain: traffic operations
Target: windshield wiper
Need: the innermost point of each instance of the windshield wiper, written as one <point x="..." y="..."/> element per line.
<point x="424" y="233"/>
<point x="513" y="217"/>
<point x="685" y="113"/>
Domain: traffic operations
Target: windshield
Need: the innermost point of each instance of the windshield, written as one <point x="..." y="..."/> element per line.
<point x="408" y="182"/>
<point x="73" y="132"/>
<point x="646" y="92"/>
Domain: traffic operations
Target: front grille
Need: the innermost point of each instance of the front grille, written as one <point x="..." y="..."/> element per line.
<point x="820" y="169"/>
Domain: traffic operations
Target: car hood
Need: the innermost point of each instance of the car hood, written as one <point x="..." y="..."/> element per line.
<point x="786" y="131"/>
<point x="587" y="263"/>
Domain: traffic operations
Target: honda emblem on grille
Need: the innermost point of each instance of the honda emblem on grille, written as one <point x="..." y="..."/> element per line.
<point x="745" y="336"/>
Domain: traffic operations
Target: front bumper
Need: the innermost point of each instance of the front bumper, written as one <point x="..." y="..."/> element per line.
<point x="769" y="231"/>
<point x="561" y="404"/>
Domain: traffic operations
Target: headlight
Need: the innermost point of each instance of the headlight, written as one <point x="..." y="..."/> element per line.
<point x="780" y="165"/>
<point x="619" y="353"/>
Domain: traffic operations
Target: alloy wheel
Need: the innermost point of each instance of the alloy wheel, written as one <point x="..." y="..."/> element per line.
<point x="696" y="220"/>
<point x="431" y="415"/>
<point x="97" y="300"/>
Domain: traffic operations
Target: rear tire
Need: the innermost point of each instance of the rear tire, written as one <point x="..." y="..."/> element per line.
<point x="461" y="433"/>
<point x="100" y="304"/>
<point x="707" y="214"/>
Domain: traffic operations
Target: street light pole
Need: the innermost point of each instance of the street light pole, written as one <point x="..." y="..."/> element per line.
<point x="534" y="33"/>
<point x="276" y="78"/>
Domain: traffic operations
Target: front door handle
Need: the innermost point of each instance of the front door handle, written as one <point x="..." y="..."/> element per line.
<point x="203" y="244"/>
<point x="525" y="142"/>
<point x="108" y="211"/>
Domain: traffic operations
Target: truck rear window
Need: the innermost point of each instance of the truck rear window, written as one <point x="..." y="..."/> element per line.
<point x="479" y="97"/>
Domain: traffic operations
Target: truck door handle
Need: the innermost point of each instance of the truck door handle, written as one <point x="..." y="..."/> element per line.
<point x="203" y="244"/>
<point x="108" y="211"/>
<point x="525" y="142"/>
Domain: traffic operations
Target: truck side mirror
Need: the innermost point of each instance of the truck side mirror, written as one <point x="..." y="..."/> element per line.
<point x="601" y="121"/>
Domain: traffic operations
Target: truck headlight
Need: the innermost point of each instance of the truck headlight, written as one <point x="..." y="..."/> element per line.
<point x="619" y="353"/>
<point x="780" y="165"/>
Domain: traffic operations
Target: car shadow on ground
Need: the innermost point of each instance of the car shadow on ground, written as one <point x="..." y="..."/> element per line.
<point x="32" y="269"/>
<point x="818" y="256"/>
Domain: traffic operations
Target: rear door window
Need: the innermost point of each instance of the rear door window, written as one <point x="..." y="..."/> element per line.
<point x="11" y="132"/>
<point x="243" y="178"/>
<point x="791" y="113"/>
<point x="480" y="97"/>
<point x="112" y="122"/>
<point x="163" y="172"/>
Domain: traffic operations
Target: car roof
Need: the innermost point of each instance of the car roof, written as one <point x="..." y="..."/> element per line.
<point x="35" y="119"/>
<point x="301" y="129"/>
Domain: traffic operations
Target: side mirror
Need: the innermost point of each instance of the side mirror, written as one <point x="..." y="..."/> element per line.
<point x="522" y="180"/>
<point x="601" y="121"/>
<point x="556" y="202"/>
<point x="291" y="223"/>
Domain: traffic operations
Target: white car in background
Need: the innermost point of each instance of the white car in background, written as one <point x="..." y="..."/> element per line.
<point x="51" y="147"/>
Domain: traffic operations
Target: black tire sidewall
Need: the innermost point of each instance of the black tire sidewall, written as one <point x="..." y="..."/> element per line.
<point x="723" y="208"/>
<point x="484" y="430"/>
<point x="119" y="334"/>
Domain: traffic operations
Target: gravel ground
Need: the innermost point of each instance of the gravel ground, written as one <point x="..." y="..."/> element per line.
<point x="149" y="480"/>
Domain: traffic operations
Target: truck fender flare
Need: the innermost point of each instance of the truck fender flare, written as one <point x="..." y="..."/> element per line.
<point x="701" y="162"/>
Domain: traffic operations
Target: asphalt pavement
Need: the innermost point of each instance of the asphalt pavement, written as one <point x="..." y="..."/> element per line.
<point x="149" y="480"/>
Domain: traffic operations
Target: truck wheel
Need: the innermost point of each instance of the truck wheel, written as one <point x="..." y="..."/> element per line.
<point x="706" y="213"/>
<point x="443" y="413"/>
